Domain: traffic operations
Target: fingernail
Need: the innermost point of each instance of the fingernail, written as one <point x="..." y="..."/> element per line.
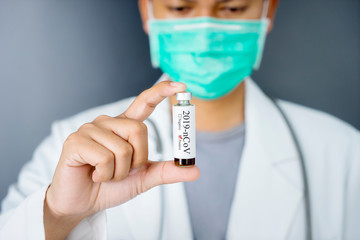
<point x="176" y="84"/>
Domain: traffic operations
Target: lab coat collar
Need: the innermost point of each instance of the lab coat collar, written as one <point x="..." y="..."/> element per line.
<point x="268" y="190"/>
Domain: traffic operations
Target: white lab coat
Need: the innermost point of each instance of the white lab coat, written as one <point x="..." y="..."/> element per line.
<point x="268" y="201"/>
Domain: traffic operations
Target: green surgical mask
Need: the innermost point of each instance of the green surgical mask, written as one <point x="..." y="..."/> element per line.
<point x="211" y="56"/>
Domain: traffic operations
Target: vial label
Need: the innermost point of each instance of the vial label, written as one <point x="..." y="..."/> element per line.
<point x="184" y="132"/>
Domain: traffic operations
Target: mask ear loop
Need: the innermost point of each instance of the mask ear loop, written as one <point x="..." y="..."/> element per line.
<point x="265" y="9"/>
<point x="151" y="10"/>
<point x="153" y="40"/>
<point x="263" y="33"/>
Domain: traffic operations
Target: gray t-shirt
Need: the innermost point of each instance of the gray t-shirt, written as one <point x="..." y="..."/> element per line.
<point x="210" y="197"/>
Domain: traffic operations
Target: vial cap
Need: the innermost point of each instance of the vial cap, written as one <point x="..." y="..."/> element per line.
<point x="183" y="96"/>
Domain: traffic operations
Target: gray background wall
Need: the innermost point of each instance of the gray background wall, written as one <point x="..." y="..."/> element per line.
<point x="60" y="57"/>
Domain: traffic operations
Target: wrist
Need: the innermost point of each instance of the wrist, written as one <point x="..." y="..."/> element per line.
<point x="58" y="225"/>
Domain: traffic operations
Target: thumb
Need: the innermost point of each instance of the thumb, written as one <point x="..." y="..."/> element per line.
<point x="167" y="172"/>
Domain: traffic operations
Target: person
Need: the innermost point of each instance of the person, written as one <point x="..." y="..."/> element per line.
<point x="108" y="173"/>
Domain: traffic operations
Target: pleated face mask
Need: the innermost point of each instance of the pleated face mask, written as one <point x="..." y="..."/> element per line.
<point x="211" y="56"/>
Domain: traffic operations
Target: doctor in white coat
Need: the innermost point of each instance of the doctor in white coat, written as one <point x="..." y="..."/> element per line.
<point x="85" y="179"/>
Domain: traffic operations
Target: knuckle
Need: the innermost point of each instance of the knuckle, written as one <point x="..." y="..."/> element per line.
<point x="107" y="158"/>
<point x="139" y="128"/>
<point x="86" y="127"/>
<point x="101" y="118"/>
<point x="71" y="148"/>
<point x="72" y="138"/>
<point x="125" y="152"/>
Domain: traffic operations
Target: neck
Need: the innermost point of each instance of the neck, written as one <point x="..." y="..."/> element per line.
<point x="219" y="114"/>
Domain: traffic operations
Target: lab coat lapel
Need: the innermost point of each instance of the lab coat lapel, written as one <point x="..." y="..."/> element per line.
<point x="269" y="185"/>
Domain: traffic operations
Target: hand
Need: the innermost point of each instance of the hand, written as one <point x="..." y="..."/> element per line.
<point x="105" y="163"/>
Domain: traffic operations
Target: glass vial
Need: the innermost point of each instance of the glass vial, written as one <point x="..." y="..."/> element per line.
<point x="184" y="130"/>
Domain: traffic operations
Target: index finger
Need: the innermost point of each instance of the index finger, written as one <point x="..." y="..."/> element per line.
<point x="141" y="108"/>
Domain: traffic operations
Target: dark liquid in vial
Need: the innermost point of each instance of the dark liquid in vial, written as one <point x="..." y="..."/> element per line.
<point x="182" y="162"/>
